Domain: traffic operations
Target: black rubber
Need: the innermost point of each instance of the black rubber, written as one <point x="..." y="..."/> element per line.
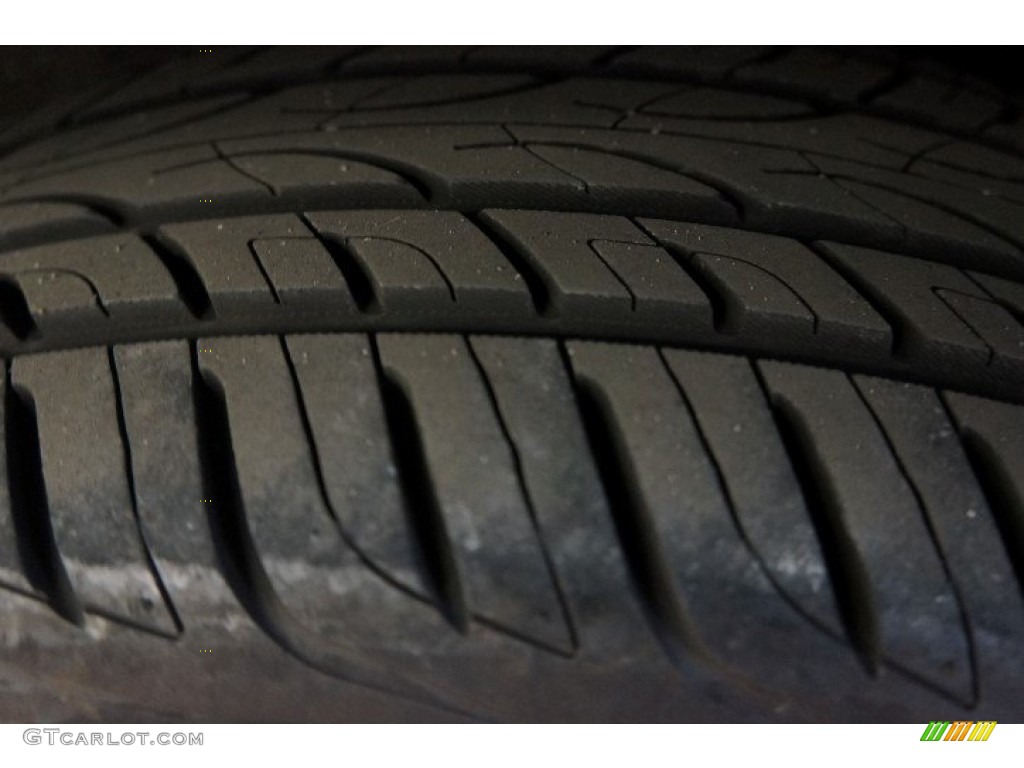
<point x="498" y="384"/>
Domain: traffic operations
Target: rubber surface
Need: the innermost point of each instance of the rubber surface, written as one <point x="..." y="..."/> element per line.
<point x="584" y="384"/>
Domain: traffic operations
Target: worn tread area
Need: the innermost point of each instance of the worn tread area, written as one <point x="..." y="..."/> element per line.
<point x="625" y="383"/>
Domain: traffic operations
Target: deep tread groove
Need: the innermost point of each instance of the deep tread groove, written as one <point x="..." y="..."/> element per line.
<point x="14" y="311"/>
<point x="240" y="562"/>
<point x="718" y="297"/>
<point x="353" y="271"/>
<point x="235" y="551"/>
<point x="187" y="280"/>
<point x="30" y="513"/>
<point x="426" y="519"/>
<point x="741" y="531"/>
<point x="536" y="281"/>
<point x="635" y="530"/>
<point x="997" y="488"/>
<point x="346" y="536"/>
<point x="850" y="581"/>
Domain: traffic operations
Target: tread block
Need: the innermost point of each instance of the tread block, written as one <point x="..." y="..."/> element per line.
<point x="160" y="422"/>
<point x="658" y="288"/>
<point x="440" y="252"/>
<point x="777" y="189"/>
<point x="1006" y="292"/>
<point x="173" y="494"/>
<point x="941" y="311"/>
<point x="459" y="164"/>
<point x="960" y="159"/>
<point x="686" y="551"/>
<point x="117" y="276"/>
<point x="22" y="222"/>
<point x="153" y="185"/>
<point x="231" y="271"/>
<point x="292" y="531"/>
<point x="993" y="433"/>
<point x="967" y="532"/>
<point x="590" y="265"/>
<point x="88" y="491"/>
<point x="403" y="275"/>
<point x="302" y="271"/>
<point x="535" y="399"/>
<point x="339" y="389"/>
<point x="732" y="414"/>
<point x="300" y="108"/>
<point x="961" y="225"/>
<point x="929" y="228"/>
<point x="308" y="179"/>
<point x="611" y="181"/>
<point x="772" y="285"/>
<point x="860" y="139"/>
<point x="903" y="605"/>
<point x="498" y="555"/>
<point x="312" y="581"/>
<point x="109" y="134"/>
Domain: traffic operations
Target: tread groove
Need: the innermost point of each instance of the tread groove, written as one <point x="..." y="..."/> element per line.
<point x="37" y="544"/>
<point x="187" y="280"/>
<point x="634" y="528"/>
<point x="235" y="550"/>
<point x="958" y="594"/>
<point x="346" y="536"/>
<point x="353" y="271"/>
<point x="534" y="277"/>
<point x="243" y="569"/>
<point x="850" y="581"/>
<point x="14" y="312"/>
<point x="422" y="505"/>
<point x="733" y="514"/>
<point x="997" y="488"/>
<point x="715" y="292"/>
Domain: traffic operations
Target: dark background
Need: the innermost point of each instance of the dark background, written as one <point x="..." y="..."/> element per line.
<point x="32" y="77"/>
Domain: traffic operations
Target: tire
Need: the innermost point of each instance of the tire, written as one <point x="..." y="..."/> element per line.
<point x="491" y="384"/>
